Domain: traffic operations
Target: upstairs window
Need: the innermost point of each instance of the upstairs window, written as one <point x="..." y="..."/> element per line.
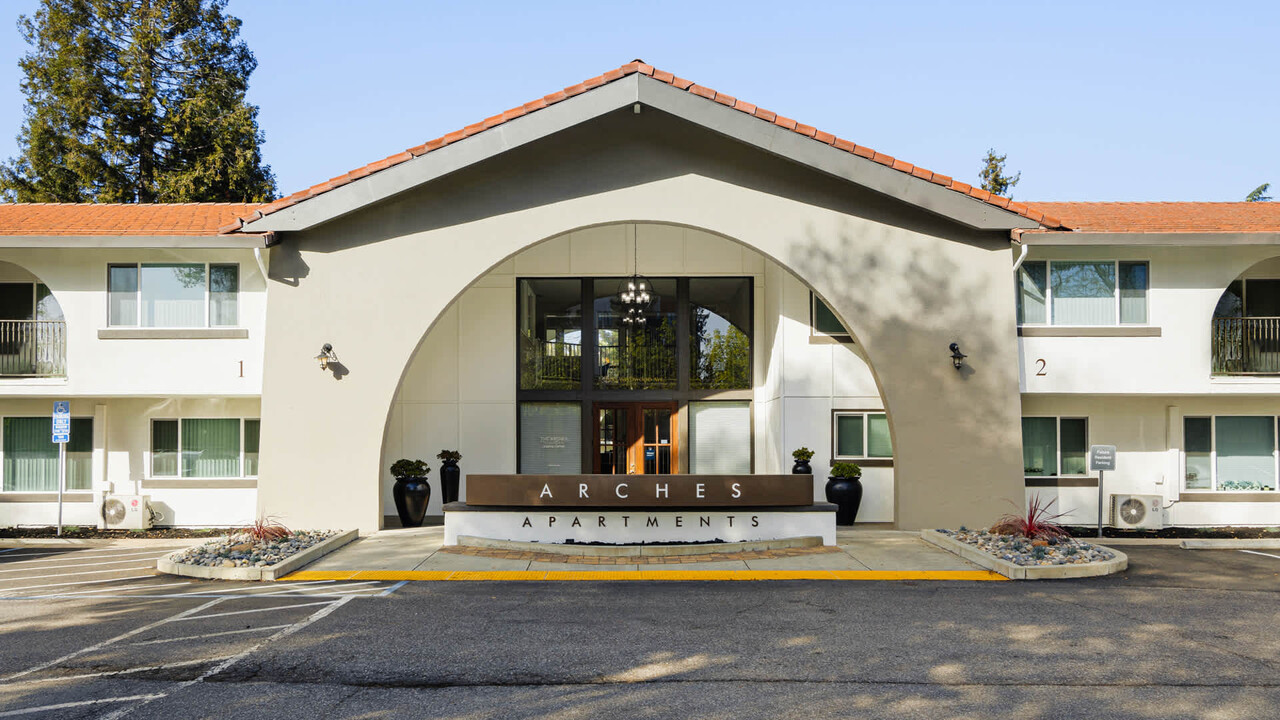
<point x="1082" y="292"/>
<point x="823" y="321"/>
<point x="185" y="295"/>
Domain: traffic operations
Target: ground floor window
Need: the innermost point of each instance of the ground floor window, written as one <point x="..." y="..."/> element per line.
<point x="550" y="438"/>
<point x="1230" y="453"/>
<point x="1053" y="446"/>
<point x="859" y="435"/>
<point x="720" y="438"/>
<point x="31" y="457"/>
<point x="204" y="448"/>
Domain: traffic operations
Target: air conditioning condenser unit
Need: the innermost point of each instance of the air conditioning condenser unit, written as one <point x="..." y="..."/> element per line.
<point x="1137" y="512"/>
<point x="126" y="512"/>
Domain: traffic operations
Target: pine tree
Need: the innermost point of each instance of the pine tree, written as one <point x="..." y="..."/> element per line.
<point x="136" y="101"/>
<point x="1259" y="194"/>
<point x="993" y="178"/>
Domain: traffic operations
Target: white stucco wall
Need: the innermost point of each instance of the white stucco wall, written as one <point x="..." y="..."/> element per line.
<point x="1185" y="284"/>
<point x="1147" y="433"/>
<point x="150" y="367"/>
<point x="122" y="443"/>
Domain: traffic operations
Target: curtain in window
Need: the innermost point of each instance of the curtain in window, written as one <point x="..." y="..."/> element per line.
<point x="224" y="289"/>
<point x="849" y="435"/>
<point x="211" y="448"/>
<point x="79" y="454"/>
<point x="122" y="295"/>
<point x="1031" y="291"/>
<point x="1039" y="447"/>
<point x="251" y="432"/>
<point x="1246" y="447"/>
<point x="1133" y="293"/>
<point x="1075" y="446"/>
<point x="173" y="295"/>
<point x="1198" y="443"/>
<point x="1084" y="293"/>
<point x="878" y="442"/>
<point x="720" y="438"/>
<point x="551" y="438"/>
<point x="30" y="457"/>
<point x="164" y="448"/>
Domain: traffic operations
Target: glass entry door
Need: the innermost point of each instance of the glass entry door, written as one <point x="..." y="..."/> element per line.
<point x="635" y="439"/>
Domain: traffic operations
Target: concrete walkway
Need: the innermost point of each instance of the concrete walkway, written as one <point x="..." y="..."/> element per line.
<point x="418" y="550"/>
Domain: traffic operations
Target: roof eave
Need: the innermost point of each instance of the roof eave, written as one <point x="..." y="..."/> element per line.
<point x="400" y="177"/>
<point x="1167" y="239"/>
<point x="207" y="242"/>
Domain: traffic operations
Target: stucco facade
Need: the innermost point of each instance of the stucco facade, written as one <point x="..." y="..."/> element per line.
<point x="409" y="268"/>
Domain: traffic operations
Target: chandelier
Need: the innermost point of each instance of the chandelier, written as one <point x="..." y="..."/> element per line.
<point x="633" y="293"/>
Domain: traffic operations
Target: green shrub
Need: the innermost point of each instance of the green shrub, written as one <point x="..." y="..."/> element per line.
<point x="409" y="468"/>
<point x="846" y="470"/>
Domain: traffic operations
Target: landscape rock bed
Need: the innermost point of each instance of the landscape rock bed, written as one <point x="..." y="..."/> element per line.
<point x="239" y="551"/>
<point x="1032" y="553"/>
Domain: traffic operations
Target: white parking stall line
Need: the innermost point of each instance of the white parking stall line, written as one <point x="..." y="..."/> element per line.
<point x="324" y="590"/>
<point x="70" y="556"/>
<point x="394" y="588"/>
<point x="80" y="582"/>
<point x="126" y="671"/>
<point x="81" y="703"/>
<point x="301" y="624"/>
<point x="267" y="587"/>
<point x="8" y="550"/>
<point x="124" y="636"/>
<point x="89" y="564"/>
<point x="209" y="635"/>
<point x="1255" y="552"/>
<point x="122" y="588"/>
<point x="246" y="612"/>
<point x="42" y="576"/>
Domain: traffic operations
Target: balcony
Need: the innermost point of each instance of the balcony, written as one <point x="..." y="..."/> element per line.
<point x="33" y="348"/>
<point x="1246" y="345"/>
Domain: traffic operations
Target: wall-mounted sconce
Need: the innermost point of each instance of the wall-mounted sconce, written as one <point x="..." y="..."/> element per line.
<point x="957" y="357"/>
<point x="326" y="356"/>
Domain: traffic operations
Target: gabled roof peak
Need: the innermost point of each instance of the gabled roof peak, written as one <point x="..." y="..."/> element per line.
<point x="640" y="67"/>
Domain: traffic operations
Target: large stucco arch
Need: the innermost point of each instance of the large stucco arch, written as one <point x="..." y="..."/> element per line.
<point x="905" y="282"/>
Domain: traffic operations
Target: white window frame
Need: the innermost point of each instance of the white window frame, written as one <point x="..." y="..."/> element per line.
<point x="65" y="489"/>
<point x="1048" y="293"/>
<point x="149" y="472"/>
<point x="1213" y="453"/>
<point x="1057" y="427"/>
<point x="208" y="281"/>
<point x="866" y="425"/>
<point x="813" y="321"/>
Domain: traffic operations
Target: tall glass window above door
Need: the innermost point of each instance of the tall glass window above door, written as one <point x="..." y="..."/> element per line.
<point x="720" y="329"/>
<point x="550" y="334"/>
<point x="635" y="357"/>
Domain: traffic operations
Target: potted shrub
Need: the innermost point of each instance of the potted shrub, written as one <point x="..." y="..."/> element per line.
<point x="802" y="457"/>
<point x="844" y="489"/>
<point x="450" y="475"/>
<point x="411" y="491"/>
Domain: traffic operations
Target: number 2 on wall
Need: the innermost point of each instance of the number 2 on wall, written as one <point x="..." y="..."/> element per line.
<point x="1040" y="372"/>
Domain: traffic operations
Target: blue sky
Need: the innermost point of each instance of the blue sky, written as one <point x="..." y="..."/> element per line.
<point x="1090" y="100"/>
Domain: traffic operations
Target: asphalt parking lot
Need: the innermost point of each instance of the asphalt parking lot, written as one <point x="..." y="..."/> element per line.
<point x="1182" y="634"/>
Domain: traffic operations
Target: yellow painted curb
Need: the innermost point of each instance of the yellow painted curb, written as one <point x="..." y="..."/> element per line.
<point x="539" y="575"/>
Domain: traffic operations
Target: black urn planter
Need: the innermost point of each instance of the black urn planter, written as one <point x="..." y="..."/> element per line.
<point x="412" y="494"/>
<point x="802" y="467"/>
<point x="450" y="476"/>
<point x="846" y="495"/>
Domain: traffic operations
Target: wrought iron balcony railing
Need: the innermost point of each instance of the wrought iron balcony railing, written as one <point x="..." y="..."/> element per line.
<point x="1246" y="346"/>
<point x="33" y="348"/>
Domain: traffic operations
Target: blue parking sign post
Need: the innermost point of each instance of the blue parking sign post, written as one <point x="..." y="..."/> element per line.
<point x="61" y="436"/>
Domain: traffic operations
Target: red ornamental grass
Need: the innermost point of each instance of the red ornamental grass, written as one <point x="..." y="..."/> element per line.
<point x="1038" y="522"/>
<point x="266" y="529"/>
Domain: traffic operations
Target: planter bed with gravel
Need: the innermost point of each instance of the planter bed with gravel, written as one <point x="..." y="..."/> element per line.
<point x="244" y="557"/>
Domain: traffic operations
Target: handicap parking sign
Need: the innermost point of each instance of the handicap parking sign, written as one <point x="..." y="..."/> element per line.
<point x="61" y="421"/>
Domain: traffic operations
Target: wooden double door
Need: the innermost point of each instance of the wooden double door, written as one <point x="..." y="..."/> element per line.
<point x="636" y="438"/>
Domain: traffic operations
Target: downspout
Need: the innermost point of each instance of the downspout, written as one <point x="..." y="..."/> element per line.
<point x="268" y="239"/>
<point x="1015" y="235"/>
<point x="262" y="265"/>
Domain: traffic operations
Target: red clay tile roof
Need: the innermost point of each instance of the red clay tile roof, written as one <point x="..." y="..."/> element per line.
<point x="1166" y="217"/>
<point x="118" y="219"/>
<point x="644" y="69"/>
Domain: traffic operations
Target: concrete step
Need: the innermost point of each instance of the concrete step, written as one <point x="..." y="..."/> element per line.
<point x="639" y="550"/>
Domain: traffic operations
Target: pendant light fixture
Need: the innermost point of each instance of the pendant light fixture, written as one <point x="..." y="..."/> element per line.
<point x="635" y="292"/>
